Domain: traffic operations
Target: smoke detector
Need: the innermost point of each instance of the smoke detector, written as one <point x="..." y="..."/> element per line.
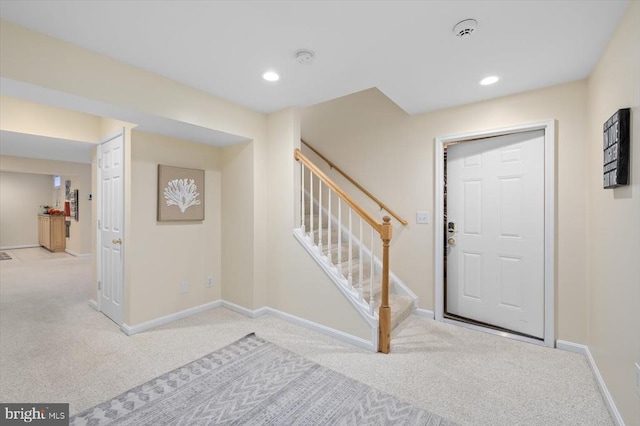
<point x="304" y="56"/>
<point x="464" y="29"/>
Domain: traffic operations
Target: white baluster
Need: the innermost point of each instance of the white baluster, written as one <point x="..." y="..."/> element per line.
<point x="329" y="228"/>
<point x="311" y="207"/>
<point x="302" y="197"/>
<point x="320" y="216"/>
<point x="360" y="266"/>
<point x="349" y="274"/>
<point x="371" y="272"/>
<point x="340" y="232"/>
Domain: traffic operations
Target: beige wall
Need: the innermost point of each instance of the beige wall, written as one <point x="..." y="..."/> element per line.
<point x="164" y="254"/>
<point x="33" y="58"/>
<point x="297" y="285"/>
<point x="80" y="239"/>
<point x="27" y="117"/>
<point x="613" y="262"/>
<point x="238" y="220"/>
<point x="21" y="195"/>
<point x="391" y="154"/>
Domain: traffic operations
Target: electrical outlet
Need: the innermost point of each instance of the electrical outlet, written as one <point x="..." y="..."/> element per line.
<point x="422" y="218"/>
<point x="209" y="282"/>
<point x="638" y="378"/>
<point x="185" y="286"/>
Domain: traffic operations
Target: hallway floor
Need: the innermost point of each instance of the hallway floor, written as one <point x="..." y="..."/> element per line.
<point x="55" y="348"/>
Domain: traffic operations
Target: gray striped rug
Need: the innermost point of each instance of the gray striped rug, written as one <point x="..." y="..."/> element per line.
<point x="254" y="382"/>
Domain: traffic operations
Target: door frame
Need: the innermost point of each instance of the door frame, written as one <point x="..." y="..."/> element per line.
<point x="99" y="205"/>
<point x="548" y="127"/>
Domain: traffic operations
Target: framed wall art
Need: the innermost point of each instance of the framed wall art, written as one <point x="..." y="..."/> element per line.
<point x="180" y="194"/>
<point x="616" y="141"/>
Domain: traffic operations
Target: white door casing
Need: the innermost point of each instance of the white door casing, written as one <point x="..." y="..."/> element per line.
<point x="110" y="227"/>
<point x="495" y="262"/>
<point x="548" y="142"/>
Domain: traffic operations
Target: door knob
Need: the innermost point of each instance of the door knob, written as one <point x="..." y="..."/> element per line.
<point x="452" y="241"/>
<point x="118" y="241"/>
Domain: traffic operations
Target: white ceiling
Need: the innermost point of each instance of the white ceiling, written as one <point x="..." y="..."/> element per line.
<point x="405" y="48"/>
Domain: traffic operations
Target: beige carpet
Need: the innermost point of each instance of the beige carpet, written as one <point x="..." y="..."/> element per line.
<point x="55" y="348"/>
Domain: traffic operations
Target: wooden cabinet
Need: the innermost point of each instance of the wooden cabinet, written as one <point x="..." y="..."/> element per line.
<point x="51" y="232"/>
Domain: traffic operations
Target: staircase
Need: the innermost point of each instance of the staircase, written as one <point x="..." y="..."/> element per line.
<point x="341" y="238"/>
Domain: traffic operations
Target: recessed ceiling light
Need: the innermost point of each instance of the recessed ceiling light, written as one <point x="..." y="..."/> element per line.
<point x="271" y="76"/>
<point x="489" y="80"/>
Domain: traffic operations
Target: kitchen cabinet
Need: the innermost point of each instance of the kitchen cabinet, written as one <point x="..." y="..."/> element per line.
<point x="51" y="232"/>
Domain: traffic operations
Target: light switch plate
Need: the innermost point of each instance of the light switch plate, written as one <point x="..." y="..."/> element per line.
<point x="422" y="218"/>
<point x="185" y="286"/>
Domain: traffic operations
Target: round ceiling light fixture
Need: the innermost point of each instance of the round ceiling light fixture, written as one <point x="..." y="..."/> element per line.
<point x="271" y="76"/>
<point x="304" y="56"/>
<point x="487" y="81"/>
<point x="464" y="29"/>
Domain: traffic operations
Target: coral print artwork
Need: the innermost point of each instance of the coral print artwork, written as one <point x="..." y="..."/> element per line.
<point x="180" y="194"/>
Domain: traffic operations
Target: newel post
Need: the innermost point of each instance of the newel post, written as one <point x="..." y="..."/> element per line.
<point x="384" y="326"/>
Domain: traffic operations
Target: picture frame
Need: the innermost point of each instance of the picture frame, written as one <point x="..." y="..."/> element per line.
<point x="181" y="194"/>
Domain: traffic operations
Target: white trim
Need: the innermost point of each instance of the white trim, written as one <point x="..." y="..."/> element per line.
<point x="80" y="255"/>
<point x="608" y="400"/>
<point x="244" y="311"/>
<point x="549" y="217"/>
<point x="19" y="247"/>
<point x="424" y="313"/>
<point x="134" y="329"/>
<point x="327" y="331"/>
<point x="576" y="348"/>
<point x="265" y="310"/>
<point x="94" y="305"/>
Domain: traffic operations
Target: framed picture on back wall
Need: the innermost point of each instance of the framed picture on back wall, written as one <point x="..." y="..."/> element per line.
<point x="180" y="194"/>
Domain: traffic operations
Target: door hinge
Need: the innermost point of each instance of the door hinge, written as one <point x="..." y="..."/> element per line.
<point x="99" y="162"/>
<point x="99" y="285"/>
<point x="99" y="224"/>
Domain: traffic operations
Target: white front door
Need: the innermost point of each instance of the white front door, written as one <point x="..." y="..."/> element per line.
<point x="495" y="231"/>
<point x="110" y="222"/>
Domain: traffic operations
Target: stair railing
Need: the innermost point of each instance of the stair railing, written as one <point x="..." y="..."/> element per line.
<point x="315" y="234"/>
<point x="380" y="204"/>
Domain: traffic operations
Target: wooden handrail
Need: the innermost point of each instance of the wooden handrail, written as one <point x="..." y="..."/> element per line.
<point x="385" y="231"/>
<point x="347" y="199"/>
<point x="382" y="205"/>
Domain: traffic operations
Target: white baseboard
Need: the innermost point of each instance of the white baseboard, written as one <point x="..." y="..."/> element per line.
<point x="310" y="325"/>
<point x="608" y="400"/>
<point x="80" y="255"/>
<point x="576" y="348"/>
<point x="19" y="247"/>
<point x="424" y="313"/>
<point x="265" y="310"/>
<point x="244" y="311"/>
<point x="94" y="304"/>
<point x="327" y="331"/>
<point x="129" y="330"/>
